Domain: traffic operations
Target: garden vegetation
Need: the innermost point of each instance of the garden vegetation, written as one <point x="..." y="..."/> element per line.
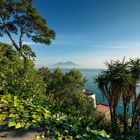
<point x="53" y="102"/>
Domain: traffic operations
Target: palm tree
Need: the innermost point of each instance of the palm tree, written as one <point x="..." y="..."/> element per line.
<point x="136" y="113"/>
<point x="135" y="72"/>
<point x="104" y="84"/>
<point x="114" y="84"/>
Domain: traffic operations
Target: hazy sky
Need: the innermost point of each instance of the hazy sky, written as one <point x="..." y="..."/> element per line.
<point x="88" y="32"/>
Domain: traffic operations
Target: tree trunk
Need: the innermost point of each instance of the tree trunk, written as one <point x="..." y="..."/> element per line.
<point x="112" y="119"/>
<point x="125" y="119"/>
<point x="124" y="116"/>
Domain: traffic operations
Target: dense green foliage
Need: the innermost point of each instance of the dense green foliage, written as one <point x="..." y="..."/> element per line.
<point x="22" y="113"/>
<point x="18" y="77"/>
<point x="51" y="102"/>
<point x="65" y="92"/>
<point x="22" y="91"/>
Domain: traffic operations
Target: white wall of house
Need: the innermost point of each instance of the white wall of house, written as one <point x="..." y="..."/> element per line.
<point x="94" y="97"/>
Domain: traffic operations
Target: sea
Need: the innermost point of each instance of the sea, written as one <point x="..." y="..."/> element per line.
<point x="90" y="85"/>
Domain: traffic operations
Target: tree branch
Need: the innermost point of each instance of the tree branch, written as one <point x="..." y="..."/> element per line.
<point x="11" y="38"/>
<point x="8" y="33"/>
<point x="21" y="38"/>
<point x="21" y="31"/>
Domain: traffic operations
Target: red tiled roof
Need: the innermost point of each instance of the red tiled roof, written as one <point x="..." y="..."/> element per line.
<point x="104" y="109"/>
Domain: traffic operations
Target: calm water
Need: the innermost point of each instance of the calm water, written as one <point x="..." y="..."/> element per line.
<point x="89" y="74"/>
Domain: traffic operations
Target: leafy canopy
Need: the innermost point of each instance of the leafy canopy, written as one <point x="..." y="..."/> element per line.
<point x="19" y="17"/>
<point x="16" y="76"/>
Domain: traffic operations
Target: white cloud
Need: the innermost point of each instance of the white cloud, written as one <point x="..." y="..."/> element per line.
<point x="32" y="43"/>
<point x="115" y="45"/>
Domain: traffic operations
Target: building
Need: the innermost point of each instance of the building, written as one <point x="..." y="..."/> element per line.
<point x="104" y="110"/>
<point x="92" y="95"/>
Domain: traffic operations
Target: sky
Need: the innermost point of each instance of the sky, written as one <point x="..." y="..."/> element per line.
<point x="89" y="32"/>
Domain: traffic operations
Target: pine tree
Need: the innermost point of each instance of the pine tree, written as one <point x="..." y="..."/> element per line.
<point x="20" y="18"/>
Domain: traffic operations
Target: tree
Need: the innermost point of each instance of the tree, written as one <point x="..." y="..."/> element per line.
<point x="135" y="72"/>
<point x="115" y="83"/>
<point x="20" y="18"/>
<point x="56" y="81"/>
<point x="65" y="92"/>
<point x="22" y="99"/>
<point x="45" y="73"/>
<point x="24" y="80"/>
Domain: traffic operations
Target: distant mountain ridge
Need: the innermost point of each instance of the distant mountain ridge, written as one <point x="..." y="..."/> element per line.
<point x="68" y="64"/>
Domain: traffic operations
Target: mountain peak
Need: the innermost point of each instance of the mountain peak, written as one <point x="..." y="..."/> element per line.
<point x="67" y="64"/>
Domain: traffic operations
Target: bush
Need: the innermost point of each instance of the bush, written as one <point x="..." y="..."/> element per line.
<point x="18" y="76"/>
